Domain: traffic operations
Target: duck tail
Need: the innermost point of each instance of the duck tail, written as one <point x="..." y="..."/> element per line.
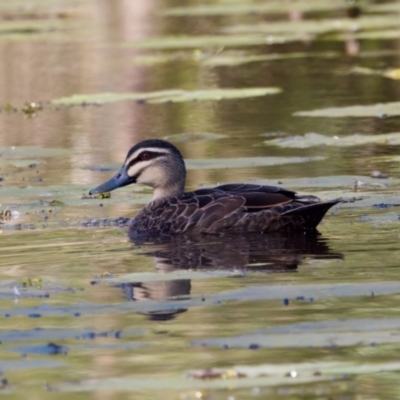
<point x="309" y="216"/>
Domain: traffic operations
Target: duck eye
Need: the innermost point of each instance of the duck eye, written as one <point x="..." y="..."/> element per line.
<point x="145" y="156"/>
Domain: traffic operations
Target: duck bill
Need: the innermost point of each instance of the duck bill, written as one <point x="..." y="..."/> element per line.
<point x="118" y="180"/>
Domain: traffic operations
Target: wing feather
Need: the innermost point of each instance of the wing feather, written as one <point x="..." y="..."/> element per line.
<point x="260" y="201"/>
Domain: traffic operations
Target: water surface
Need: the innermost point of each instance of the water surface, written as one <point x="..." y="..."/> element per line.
<point x="85" y="310"/>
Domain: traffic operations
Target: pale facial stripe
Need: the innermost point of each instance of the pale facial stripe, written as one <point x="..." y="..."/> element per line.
<point x="137" y="168"/>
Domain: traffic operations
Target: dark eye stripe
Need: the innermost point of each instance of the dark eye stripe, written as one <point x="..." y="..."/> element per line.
<point x="152" y="155"/>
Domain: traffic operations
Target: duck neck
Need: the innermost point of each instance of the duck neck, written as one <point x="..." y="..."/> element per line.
<point x="165" y="193"/>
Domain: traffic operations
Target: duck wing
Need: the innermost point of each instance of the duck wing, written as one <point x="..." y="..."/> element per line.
<point x="257" y="201"/>
<point x="243" y="188"/>
<point x="189" y="213"/>
<point x="222" y="210"/>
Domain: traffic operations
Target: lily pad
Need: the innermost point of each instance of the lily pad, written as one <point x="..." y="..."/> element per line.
<point x="236" y="57"/>
<point x="194" y="137"/>
<point x="384" y="34"/>
<point x="232" y="59"/>
<point x="236" y="377"/>
<point x="315" y="139"/>
<point x="247" y="162"/>
<point x="351" y="332"/>
<point x="181" y="383"/>
<point x="23" y="163"/>
<point x="31" y="151"/>
<point x="241" y="8"/>
<point x="161" y="58"/>
<point x="194" y="42"/>
<point x="369" y="27"/>
<point x="373" y="110"/>
<point x="391" y="73"/>
<point x="335" y="181"/>
<point x="102" y="98"/>
<point x="168" y="96"/>
<point x="321" y="26"/>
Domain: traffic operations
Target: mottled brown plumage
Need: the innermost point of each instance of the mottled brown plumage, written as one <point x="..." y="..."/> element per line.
<point x="231" y="208"/>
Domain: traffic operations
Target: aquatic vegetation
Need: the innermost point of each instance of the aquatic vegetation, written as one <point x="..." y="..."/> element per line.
<point x="167" y="96"/>
<point x="315" y="139"/>
<point x="379" y="110"/>
<point x="83" y="309"/>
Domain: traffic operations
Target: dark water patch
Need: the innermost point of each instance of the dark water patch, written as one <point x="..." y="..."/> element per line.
<point x="56" y="349"/>
<point x="14" y="336"/>
<point x="43" y="349"/>
<point x="392" y="218"/>
<point x="93" y="322"/>
<point x="105" y="222"/>
<point x="90" y="223"/>
<point x="381" y="206"/>
<point x="31" y="288"/>
<point x="23" y="292"/>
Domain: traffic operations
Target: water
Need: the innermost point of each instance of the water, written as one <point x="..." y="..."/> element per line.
<point x="85" y="310"/>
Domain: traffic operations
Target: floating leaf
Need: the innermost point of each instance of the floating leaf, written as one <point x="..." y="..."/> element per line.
<point x="102" y="98"/>
<point x="194" y="42"/>
<point x="232" y="59"/>
<point x="320" y="26"/>
<point x="219" y="94"/>
<point x="154" y="59"/>
<point x="247" y="162"/>
<point x="236" y="377"/>
<point x="168" y="96"/>
<point x="321" y="334"/>
<point x="392" y="73"/>
<point x="315" y="139"/>
<point x="31" y="26"/>
<point x="194" y="137"/>
<point x="281" y="32"/>
<point x="374" y="110"/>
<point x="385" y="34"/>
<point x="235" y="57"/>
<point x="31" y="151"/>
<point x="253" y="8"/>
<point x="24" y="163"/>
<point x="182" y="383"/>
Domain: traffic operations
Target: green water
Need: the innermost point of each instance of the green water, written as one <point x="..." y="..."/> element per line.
<point x="83" y="309"/>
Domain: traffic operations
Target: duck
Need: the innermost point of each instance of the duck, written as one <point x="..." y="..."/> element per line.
<point x="230" y="208"/>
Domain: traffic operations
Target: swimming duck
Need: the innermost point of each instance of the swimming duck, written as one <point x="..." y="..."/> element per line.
<point x="229" y="208"/>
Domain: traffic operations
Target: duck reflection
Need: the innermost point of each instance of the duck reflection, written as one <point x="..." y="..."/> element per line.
<point x="246" y="253"/>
